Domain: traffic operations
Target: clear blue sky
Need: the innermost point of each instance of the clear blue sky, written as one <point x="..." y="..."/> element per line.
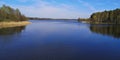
<point x="61" y="8"/>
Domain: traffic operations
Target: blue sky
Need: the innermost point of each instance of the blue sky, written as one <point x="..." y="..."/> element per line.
<point x="61" y="8"/>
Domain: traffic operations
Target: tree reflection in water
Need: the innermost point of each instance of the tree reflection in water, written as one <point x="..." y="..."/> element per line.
<point x="11" y="30"/>
<point x="7" y="35"/>
<point x="110" y="30"/>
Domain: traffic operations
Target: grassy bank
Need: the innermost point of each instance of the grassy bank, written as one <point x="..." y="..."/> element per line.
<point x="13" y="24"/>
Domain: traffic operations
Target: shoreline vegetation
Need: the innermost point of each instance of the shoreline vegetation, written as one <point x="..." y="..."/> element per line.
<point x="105" y="17"/>
<point x="10" y="17"/>
<point x="13" y="24"/>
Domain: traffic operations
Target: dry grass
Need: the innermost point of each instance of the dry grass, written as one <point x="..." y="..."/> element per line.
<point x="13" y="24"/>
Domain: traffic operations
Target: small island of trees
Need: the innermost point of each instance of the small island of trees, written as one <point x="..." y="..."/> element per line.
<point x="9" y="14"/>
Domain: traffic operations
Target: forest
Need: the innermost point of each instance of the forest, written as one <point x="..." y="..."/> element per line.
<point x="9" y="14"/>
<point x="112" y="16"/>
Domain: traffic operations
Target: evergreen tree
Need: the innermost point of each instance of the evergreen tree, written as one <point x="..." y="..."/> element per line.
<point x="112" y="16"/>
<point x="9" y="14"/>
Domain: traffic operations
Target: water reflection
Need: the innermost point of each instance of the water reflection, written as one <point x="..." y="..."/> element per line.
<point x="11" y="30"/>
<point x="110" y="30"/>
<point x="52" y="40"/>
<point x="8" y="35"/>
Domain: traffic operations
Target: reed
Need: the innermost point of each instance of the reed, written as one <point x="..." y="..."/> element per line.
<point x="13" y="24"/>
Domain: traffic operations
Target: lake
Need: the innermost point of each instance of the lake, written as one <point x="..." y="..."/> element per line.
<point x="60" y="40"/>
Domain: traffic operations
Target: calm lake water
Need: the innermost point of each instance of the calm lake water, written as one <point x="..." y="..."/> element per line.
<point x="60" y="40"/>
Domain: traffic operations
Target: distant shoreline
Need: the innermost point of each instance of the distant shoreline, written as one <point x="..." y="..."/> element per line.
<point x="13" y="24"/>
<point x="36" y="18"/>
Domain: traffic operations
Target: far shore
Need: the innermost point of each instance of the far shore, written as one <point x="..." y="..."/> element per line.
<point x="36" y="18"/>
<point x="13" y="24"/>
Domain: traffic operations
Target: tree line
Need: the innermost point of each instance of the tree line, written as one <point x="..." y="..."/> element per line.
<point x="112" y="16"/>
<point x="9" y="14"/>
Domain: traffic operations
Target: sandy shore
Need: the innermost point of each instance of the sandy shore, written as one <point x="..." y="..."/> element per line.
<point x="13" y="24"/>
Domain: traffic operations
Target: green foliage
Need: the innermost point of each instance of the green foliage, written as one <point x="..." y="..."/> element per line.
<point x="9" y="14"/>
<point x="112" y="16"/>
